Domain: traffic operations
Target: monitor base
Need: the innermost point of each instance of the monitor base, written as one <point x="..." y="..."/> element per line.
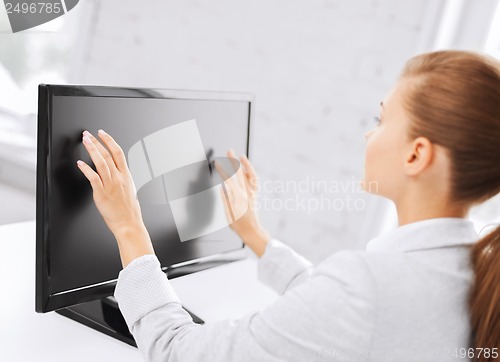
<point x="104" y="316"/>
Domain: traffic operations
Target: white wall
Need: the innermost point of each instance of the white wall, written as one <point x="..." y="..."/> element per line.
<point x="318" y="68"/>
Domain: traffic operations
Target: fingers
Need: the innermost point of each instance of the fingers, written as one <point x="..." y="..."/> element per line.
<point x="115" y="149"/>
<point x="248" y="166"/>
<point x="233" y="159"/>
<point x="221" y="171"/>
<point x="90" y="174"/>
<point x="227" y="206"/>
<point x="240" y="177"/>
<point x="226" y="179"/>
<point x="246" y="177"/>
<point x="103" y="151"/>
<point x="251" y="179"/>
<point x="99" y="161"/>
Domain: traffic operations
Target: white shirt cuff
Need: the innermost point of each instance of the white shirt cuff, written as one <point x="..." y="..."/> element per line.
<point x="143" y="287"/>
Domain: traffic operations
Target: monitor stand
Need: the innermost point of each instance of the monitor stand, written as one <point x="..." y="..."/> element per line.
<point x="104" y="316"/>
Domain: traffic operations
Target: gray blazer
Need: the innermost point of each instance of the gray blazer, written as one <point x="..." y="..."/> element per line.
<point x="404" y="298"/>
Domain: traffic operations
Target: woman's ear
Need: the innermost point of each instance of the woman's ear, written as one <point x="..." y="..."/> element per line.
<point x="419" y="156"/>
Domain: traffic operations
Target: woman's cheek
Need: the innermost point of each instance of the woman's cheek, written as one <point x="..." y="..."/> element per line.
<point x="370" y="166"/>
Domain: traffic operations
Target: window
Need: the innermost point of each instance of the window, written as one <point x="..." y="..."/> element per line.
<point x="493" y="40"/>
<point x="489" y="212"/>
<point x="39" y="55"/>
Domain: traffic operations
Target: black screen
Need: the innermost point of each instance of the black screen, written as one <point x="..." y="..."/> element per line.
<point x="81" y="251"/>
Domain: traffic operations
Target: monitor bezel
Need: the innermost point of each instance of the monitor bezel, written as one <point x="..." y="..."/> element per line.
<point x="44" y="301"/>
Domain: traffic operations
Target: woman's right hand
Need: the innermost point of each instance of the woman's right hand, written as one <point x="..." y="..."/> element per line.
<point x="241" y="192"/>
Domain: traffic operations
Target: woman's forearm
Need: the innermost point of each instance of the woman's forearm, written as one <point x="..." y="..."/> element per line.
<point x="133" y="242"/>
<point x="256" y="239"/>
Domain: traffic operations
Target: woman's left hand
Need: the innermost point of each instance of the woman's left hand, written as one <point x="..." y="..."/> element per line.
<point x="115" y="195"/>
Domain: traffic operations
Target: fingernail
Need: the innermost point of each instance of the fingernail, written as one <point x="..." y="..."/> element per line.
<point x="79" y="162"/>
<point x="102" y="132"/>
<point x="86" y="140"/>
<point x="86" y="133"/>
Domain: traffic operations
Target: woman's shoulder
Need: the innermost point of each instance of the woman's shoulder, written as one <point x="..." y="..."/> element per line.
<point x="351" y="268"/>
<point x="369" y="271"/>
<point x="394" y="273"/>
<point x="353" y="259"/>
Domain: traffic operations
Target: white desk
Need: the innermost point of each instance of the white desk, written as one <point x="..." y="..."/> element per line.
<point x="226" y="291"/>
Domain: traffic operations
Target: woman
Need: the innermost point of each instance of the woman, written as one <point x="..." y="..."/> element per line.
<point x="427" y="290"/>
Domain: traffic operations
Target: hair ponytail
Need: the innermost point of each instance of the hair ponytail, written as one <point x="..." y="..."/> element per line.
<point x="484" y="299"/>
<point x="454" y="101"/>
